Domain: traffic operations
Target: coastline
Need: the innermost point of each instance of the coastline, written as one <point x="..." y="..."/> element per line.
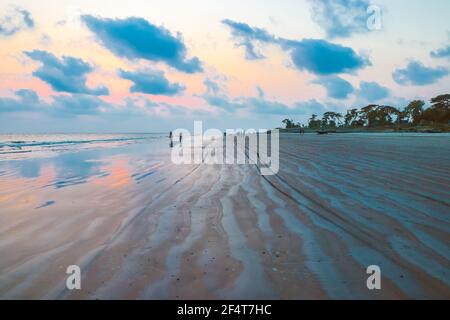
<point x="423" y="129"/>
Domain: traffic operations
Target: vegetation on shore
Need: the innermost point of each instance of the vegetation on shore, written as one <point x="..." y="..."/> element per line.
<point x="413" y="118"/>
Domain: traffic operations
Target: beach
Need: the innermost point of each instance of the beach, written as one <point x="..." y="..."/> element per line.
<point x="142" y="227"/>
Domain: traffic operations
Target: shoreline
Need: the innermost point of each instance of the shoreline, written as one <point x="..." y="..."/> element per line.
<point x="424" y="130"/>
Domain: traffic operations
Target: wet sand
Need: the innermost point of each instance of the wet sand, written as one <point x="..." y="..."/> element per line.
<point x="141" y="227"/>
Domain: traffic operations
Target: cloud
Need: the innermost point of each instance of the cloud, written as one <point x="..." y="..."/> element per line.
<point x="372" y="91"/>
<point x="76" y="104"/>
<point x="223" y="102"/>
<point x="136" y="38"/>
<point x="441" y="53"/>
<point x="64" y="105"/>
<point x="17" y="20"/>
<point x="340" y="18"/>
<point x="71" y="106"/>
<point x="211" y="86"/>
<point x="310" y="107"/>
<point x="24" y="100"/>
<point x="67" y="74"/>
<point x="245" y="34"/>
<point x="314" y="55"/>
<point x="151" y="82"/>
<point x="264" y="106"/>
<point x="324" y="58"/>
<point x="215" y="96"/>
<point x="27" y="96"/>
<point x="336" y="87"/>
<point x="416" y="73"/>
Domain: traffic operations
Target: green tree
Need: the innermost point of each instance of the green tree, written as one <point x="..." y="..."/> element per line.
<point x="337" y="117"/>
<point x="350" y="117"/>
<point x="313" y="122"/>
<point x="289" y="123"/>
<point x="442" y="102"/>
<point x="368" y="114"/>
<point x="331" y="119"/>
<point x="439" y="112"/>
<point x="414" y="111"/>
<point x="384" y="115"/>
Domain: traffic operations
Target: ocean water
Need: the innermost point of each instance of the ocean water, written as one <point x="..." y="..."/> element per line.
<point x="24" y="146"/>
<point x="73" y="159"/>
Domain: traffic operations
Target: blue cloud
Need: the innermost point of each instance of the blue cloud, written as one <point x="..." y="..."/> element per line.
<point x="214" y="96"/>
<point x="27" y="96"/>
<point x="64" y="75"/>
<point x="340" y="18"/>
<point x="416" y="73"/>
<point x="64" y="105"/>
<point x="66" y="109"/>
<point x="316" y="56"/>
<point x="441" y="53"/>
<point x="136" y="38"/>
<point x="25" y="100"/>
<point x="211" y="86"/>
<point x="324" y="58"/>
<point x="245" y="34"/>
<point x="151" y="82"/>
<point x="263" y="106"/>
<point x="337" y="88"/>
<point x="222" y="101"/>
<point x="372" y="91"/>
<point x="76" y="104"/>
<point x="310" y="107"/>
<point x="17" y="20"/>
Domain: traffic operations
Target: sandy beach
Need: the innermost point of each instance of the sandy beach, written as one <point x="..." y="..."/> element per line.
<point x="141" y="227"/>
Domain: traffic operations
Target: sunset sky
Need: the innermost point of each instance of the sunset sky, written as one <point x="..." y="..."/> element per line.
<point x="153" y="66"/>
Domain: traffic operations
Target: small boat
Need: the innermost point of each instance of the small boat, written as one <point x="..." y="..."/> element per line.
<point x="322" y="132"/>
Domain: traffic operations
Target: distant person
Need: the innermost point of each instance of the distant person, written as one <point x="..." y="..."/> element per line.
<point x="171" y="139"/>
<point x="181" y="137"/>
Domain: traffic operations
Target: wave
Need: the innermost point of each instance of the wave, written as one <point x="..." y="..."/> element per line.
<point x="21" y="144"/>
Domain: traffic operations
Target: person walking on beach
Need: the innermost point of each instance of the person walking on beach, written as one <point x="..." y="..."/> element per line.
<point x="171" y="139"/>
<point x="181" y="137"/>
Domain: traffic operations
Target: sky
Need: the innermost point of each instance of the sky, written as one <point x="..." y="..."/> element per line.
<point x="154" y="66"/>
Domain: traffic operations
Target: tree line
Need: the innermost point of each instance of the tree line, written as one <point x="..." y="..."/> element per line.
<point x="373" y="116"/>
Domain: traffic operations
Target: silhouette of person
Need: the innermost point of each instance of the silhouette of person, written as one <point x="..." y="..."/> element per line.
<point x="181" y="137"/>
<point x="171" y="139"/>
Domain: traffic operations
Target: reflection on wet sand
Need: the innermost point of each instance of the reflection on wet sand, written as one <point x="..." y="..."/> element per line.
<point x="142" y="227"/>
